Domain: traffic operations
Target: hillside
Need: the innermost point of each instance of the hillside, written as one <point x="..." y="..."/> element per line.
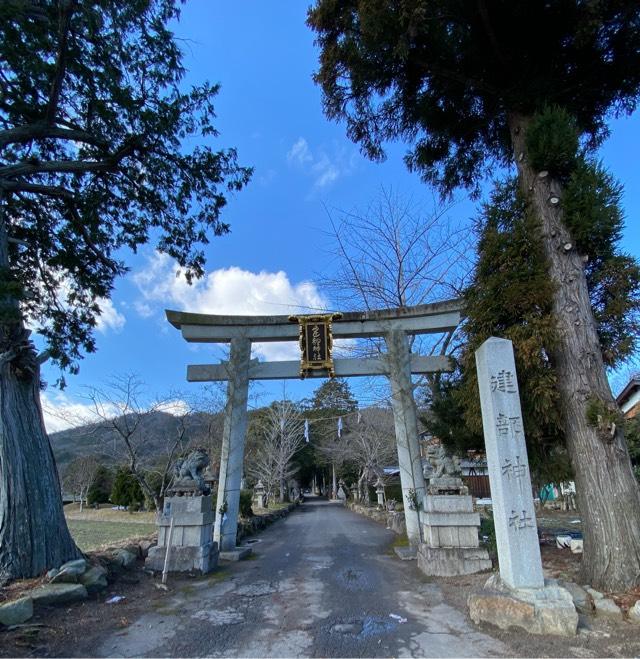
<point x="154" y="433"/>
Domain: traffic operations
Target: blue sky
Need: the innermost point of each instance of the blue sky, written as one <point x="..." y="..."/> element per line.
<point x="263" y="56"/>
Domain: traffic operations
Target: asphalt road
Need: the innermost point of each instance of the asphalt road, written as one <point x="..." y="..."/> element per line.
<point x="324" y="583"/>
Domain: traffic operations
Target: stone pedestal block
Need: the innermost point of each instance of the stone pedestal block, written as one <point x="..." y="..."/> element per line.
<point x="451" y="545"/>
<point x="452" y="561"/>
<point x="546" y="610"/>
<point x="192" y="546"/>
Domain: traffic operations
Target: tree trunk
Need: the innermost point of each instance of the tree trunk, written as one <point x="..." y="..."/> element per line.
<point x="282" y="490"/>
<point x="33" y="530"/>
<point x="607" y="492"/>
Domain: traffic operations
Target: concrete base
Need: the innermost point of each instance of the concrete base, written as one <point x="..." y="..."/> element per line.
<point x="406" y="553"/>
<point x="547" y="610"/>
<point x="452" y="561"/>
<point x="202" y="559"/>
<point x="236" y="554"/>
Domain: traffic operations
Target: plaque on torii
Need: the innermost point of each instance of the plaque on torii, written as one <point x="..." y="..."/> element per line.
<point x="316" y="343"/>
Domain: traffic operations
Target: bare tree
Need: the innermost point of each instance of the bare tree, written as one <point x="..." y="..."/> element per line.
<point x="79" y="476"/>
<point x="282" y="437"/>
<point x="396" y="255"/>
<point x="369" y="445"/>
<point x="123" y="423"/>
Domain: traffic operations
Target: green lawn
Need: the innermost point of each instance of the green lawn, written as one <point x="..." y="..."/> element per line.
<point x="90" y="535"/>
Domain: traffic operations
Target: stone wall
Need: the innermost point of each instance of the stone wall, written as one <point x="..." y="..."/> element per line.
<point x="247" y="527"/>
<point x="392" y="520"/>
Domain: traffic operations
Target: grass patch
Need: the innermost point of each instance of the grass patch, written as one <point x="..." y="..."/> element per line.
<point x="72" y="512"/>
<point x="90" y="535"/>
<point x="400" y="541"/>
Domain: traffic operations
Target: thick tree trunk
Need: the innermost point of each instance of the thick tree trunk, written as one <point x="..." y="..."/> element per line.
<point x="607" y="492"/>
<point x="33" y="531"/>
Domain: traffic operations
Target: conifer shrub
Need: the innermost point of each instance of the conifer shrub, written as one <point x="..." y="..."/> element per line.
<point x="552" y="142"/>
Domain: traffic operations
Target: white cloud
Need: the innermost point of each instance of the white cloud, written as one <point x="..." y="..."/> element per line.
<point x="325" y="172"/>
<point x="229" y="291"/>
<point x="324" y="169"/>
<point x="61" y="411"/>
<point x="175" y="406"/>
<point x="110" y="318"/>
<point x="299" y="153"/>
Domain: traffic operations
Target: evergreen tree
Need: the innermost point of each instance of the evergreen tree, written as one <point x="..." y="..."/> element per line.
<point x="126" y="490"/>
<point x="468" y="84"/>
<point x="100" y="489"/>
<point x="96" y="131"/>
<point x="331" y="401"/>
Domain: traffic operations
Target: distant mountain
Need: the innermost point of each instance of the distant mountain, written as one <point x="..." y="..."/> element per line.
<point x="154" y="432"/>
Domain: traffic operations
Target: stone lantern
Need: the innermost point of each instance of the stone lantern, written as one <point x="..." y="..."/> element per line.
<point x="354" y="492"/>
<point x="380" y="492"/>
<point x="259" y="492"/>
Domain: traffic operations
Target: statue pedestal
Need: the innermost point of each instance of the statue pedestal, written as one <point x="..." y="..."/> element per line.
<point x="192" y="546"/>
<point x="451" y="544"/>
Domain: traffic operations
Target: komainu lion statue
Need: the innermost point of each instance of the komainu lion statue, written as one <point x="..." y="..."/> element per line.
<point x="190" y="469"/>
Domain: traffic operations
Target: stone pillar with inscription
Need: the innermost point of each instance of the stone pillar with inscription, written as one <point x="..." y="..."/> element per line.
<point x="520" y="596"/>
<point x="511" y="494"/>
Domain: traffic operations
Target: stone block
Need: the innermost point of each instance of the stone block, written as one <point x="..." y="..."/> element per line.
<point x="581" y="598"/>
<point x="546" y="610"/>
<point x="451" y="519"/>
<point x="452" y="561"/>
<point x="406" y="553"/>
<point x="607" y="608"/>
<point x="447" y="484"/>
<point x="451" y="536"/>
<point x="59" y="593"/>
<point x="174" y="506"/>
<point x="79" y="564"/>
<point x="202" y="559"/>
<point x="448" y="503"/>
<point x="94" y="579"/>
<point x="144" y="547"/>
<point x="125" y="558"/>
<point x="16" y="612"/>
<point x="634" y="612"/>
<point x="236" y="554"/>
<point x="188" y="519"/>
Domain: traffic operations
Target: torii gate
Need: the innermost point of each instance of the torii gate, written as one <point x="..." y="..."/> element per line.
<point x="398" y="364"/>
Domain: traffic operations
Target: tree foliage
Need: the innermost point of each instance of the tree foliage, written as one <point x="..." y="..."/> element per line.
<point x="511" y="296"/>
<point x="100" y="489"/>
<point x="126" y="489"/>
<point x="96" y="130"/>
<point x="444" y="75"/>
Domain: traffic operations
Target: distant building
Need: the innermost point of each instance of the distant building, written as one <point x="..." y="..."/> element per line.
<point x="629" y="398"/>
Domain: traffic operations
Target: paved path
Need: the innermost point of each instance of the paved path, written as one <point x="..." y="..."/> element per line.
<point x="323" y="583"/>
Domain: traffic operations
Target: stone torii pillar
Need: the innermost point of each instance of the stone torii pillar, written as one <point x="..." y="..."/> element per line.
<point x="233" y="440"/>
<point x="406" y="425"/>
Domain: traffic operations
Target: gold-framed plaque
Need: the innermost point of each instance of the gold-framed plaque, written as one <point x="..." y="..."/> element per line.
<point x="316" y="343"/>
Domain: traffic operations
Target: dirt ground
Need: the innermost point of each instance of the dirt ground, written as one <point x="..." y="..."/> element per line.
<point x="77" y="628"/>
